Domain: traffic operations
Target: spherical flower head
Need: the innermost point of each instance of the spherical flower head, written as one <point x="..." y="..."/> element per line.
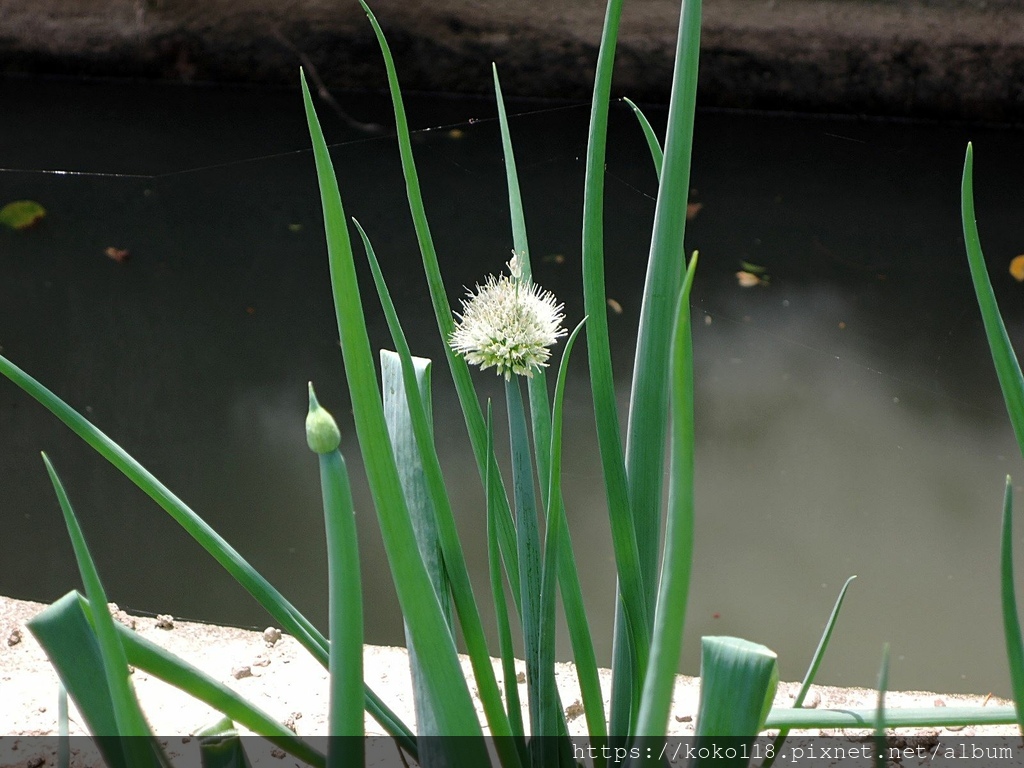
<point x="509" y="323"/>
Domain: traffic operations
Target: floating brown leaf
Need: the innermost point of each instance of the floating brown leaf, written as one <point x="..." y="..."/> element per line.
<point x="748" y="279"/>
<point x="120" y="255"/>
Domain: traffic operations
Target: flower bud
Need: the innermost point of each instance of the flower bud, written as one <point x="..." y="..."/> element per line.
<point x="322" y="433"/>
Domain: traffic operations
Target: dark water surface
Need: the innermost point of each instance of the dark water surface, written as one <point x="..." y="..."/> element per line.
<point x="849" y="419"/>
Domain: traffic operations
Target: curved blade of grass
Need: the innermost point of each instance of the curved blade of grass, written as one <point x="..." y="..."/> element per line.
<point x="286" y="615"/>
<point x="645" y="438"/>
<point x="738" y="679"/>
<point x="631" y="625"/>
<point x="345" y="599"/>
<point x="70" y="618"/>
<point x="441" y="512"/>
<point x="128" y="715"/>
<point x="599" y="351"/>
<point x="812" y="669"/>
<point x="1011" y="619"/>
<point x="161" y="663"/>
<point x="508" y="665"/>
<point x="819" y="652"/>
<point x="549" y="716"/>
<point x="442" y="311"/>
<point x="910" y="717"/>
<point x="1012" y="384"/>
<point x="244" y="573"/>
<point x="879" y="734"/>
<point x="515" y="201"/>
<point x="71" y="645"/>
<point x="652" y="139"/>
<point x="1007" y="366"/>
<point x="420" y="607"/>
<point x="224" y="553"/>
<point x="673" y="590"/>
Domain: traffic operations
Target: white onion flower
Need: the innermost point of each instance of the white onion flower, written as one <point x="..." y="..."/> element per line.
<point x="509" y="323"/>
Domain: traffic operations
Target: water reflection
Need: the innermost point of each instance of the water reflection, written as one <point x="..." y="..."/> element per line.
<point x="848" y="419"/>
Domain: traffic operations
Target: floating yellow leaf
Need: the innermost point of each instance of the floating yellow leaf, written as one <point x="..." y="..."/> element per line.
<point x="1017" y="268"/>
<point x="692" y="209"/>
<point x="21" y="214"/>
<point x="616" y="307"/>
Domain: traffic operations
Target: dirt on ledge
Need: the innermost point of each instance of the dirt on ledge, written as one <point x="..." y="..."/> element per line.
<point x="286" y="682"/>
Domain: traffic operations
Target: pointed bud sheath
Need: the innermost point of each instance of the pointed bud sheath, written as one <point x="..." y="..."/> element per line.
<point x="322" y="433"/>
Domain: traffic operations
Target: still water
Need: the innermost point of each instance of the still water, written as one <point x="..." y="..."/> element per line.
<point x="848" y="418"/>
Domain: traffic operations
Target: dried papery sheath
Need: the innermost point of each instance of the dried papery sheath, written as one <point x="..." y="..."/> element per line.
<point x="508" y="323"/>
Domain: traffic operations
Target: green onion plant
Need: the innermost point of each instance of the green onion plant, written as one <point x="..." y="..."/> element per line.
<point x="512" y="327"/>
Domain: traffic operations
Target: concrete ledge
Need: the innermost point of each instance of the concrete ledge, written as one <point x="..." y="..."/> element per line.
<point x="951" y="58"/>
<point x="291" y="686"/>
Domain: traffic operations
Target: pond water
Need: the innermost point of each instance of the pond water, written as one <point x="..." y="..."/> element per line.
<point x="849" y="421"/>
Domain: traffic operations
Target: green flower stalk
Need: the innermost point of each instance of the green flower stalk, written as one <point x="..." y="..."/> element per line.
<point x="509" y="324"/>
<point x="345" y="613"/>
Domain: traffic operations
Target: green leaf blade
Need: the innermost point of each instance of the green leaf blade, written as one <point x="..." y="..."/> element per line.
<point x="287" y="616"/>
<point x="437" y="537"/>
<point x="127" y="712"/>
<point x="812" y="668"/>
<point x="1007" y="367"/>
<point x="645" y="441"/>
<point x="673" y="590"/>
<point x="551" y="719"/>
<point x="71" y="645"/>
<point x="631" y="624"/>
<point x="657" y="154"/>
<point x="468" y="399"/>
<point x="738" y="682"/>
<point x="345" y="613"/>
<point x="1011" y="618"/>
<point x="494" y="563"/>
<point x="431" y="638"/>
